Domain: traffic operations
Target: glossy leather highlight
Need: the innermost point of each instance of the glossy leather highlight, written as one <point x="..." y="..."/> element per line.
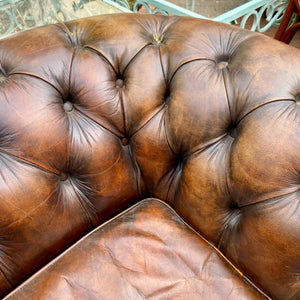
<point x="100" y="113"/>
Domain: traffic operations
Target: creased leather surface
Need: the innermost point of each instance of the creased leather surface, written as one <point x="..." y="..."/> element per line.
<point x="99" y="113"/>
<point x="146" y="253"/>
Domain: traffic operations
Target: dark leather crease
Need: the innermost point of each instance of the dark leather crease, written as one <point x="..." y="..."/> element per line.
<point x="185" y="63"/>
<point x="29" y="162"/>
<point x="267" y="101"/>
<point x="134" y="56"/>
<point x="38" y="77"/>
<point x="114" y="132"/>
<point x="274" y="196"/>
<point x="148" y="120"/>
<point x="102" y="54"/>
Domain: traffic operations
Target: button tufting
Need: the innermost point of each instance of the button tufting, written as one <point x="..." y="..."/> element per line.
<point x="233" y="132"/>
<point x="167" y="98"/>
<point x="158" y="39"/>
<point x="125" y="141"/>
<point x="68" y="106"/>
<point x="297" y="98"/>
<point x="3" y="75"/>
<point x="63" y="176"/>
<point x="222" y="65"/>
<point x="119" y="83"/>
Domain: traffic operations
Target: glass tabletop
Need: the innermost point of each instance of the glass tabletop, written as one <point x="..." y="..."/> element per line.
<point x="18" y="15"/>
<point x="209" y="8"/>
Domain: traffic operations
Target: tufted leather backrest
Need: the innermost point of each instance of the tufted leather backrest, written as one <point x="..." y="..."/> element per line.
<point x="98" y="113"/>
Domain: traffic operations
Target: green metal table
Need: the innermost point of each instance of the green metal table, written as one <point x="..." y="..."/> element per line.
<point x="16" y="15"/>
<point x="251" y="11"/>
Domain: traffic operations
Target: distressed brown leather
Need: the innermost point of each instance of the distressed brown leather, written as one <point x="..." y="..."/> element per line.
<point x="135" y="256"/>
<point x="100" y="113"/>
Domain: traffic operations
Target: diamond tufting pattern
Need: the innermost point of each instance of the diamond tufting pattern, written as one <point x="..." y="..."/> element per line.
<point x="108" y="110"/>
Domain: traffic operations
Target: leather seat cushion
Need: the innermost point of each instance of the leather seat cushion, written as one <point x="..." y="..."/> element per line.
<point x="148" y="251"/>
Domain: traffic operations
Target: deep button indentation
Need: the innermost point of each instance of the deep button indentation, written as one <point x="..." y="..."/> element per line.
<point x="157" y="38"/>
<point x="232" y="131"/>
<point x="167" y="97"/>
<point x="179" y="161"/>
<point x="68" y="106"/>
<point x="125" y="141"/>
<point x="297" y="98"/>
<point x="63" y="176"/>
<point x="3" y="75"/>
<point x="119" y="83"/>
<point x="235" y="217"/>
<point x="234" y="206"/>
<point x="222" y="65"/>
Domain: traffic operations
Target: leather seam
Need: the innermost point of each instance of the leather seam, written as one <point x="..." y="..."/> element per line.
<point x="139" y="51"/>
<point x="150" y="200"/>
<point x="266" y="102"/>
<point x="38" y="77"/>
<point x="117" y="134"/>
<point x="187" y="62"/>
<point x="148" y="121"/>
<point x="226" y="93"/>
<point x="161" y="64"/>
<point x="28" y="162"/>
<point x="136" y="172"/>
<point x="99" y="53"/>
<point x="241" y="274"/>
<point x="297" y="189"/>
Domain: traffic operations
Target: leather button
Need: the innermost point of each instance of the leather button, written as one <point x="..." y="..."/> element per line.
<point x="124" y="141"/>
<point x="2" y="78"/>
<point x="297" y="98"/>
<point x="3" y="75"/>
<point x="63" y="176"/>
<point x="119" y="83"/>
<point x="233" y="132"/>
<point x="68" y="106"/>
<point x="222" y="65"/>
<point x="158" y="38"/>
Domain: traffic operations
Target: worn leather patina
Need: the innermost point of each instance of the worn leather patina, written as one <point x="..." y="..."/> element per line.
<point x="100" y="113"/>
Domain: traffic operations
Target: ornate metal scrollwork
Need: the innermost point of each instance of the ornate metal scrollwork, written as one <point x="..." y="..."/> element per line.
<point x="273" y="12"/>
<point x="124" y="3"/>
<point x="156" y="10"/>
<point x="18" y="15"/>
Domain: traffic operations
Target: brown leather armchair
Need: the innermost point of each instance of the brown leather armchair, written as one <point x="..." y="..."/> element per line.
<point x="100" y="117"/>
